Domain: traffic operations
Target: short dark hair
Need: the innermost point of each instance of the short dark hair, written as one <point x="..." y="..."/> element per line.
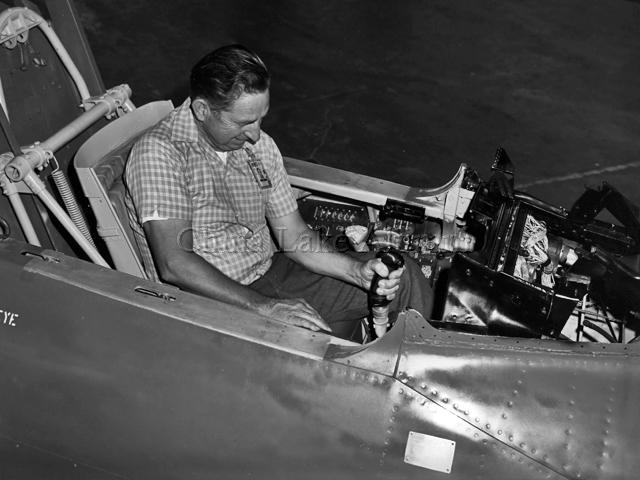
<point x="223" y="75"/>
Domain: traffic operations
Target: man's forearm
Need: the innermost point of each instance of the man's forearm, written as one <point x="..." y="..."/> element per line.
<point x="305" y="247"/>
<point x="192" y="273"/>
<point x="320" y="257"/>
<point x="171" y="244"/>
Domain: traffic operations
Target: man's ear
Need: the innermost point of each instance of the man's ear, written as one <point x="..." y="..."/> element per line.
<point x="200" y="109"/>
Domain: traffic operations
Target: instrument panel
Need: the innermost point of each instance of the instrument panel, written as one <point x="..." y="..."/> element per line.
<point x="351" y="226"/>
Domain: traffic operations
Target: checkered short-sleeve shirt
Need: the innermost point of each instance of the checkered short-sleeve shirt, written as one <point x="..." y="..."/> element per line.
<point x="174" y="173"/>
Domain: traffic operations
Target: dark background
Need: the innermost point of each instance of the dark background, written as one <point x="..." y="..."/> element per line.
<point x="407" y="90"/>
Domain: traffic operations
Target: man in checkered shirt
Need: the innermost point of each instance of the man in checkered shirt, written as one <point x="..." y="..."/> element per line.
<point x="202" y="185"/>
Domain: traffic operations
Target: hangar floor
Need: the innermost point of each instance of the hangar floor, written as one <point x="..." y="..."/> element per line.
<point x="408" y="90"/>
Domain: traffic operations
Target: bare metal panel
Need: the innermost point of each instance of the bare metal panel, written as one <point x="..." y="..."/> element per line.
<point x="23" y="461"/>
<point x="565" y="406"/>
<point x="182" y="387"/>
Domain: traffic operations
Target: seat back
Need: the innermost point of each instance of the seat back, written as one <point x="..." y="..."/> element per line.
<point x="100" y="163"/>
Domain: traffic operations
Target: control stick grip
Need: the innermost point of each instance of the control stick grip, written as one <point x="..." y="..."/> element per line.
<point x="379" y="304"/>
<point x="393" y="260"/>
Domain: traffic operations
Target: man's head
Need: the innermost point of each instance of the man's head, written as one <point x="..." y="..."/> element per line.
<point x="230" y="96"/>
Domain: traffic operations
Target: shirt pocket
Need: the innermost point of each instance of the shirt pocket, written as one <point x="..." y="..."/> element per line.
<point x="247" y="198"/>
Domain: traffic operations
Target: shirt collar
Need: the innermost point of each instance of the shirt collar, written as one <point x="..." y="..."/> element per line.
<point x="184" y="128"/>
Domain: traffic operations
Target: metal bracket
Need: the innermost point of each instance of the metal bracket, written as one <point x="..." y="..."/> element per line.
<point x="164" y="296"/>
<point x="34" y="158"/>
<point x="116" y="99"/>
<point x="15" y="24"/>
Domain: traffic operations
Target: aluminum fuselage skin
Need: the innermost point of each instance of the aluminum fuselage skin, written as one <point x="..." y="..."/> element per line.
<point x="102" y="380"/>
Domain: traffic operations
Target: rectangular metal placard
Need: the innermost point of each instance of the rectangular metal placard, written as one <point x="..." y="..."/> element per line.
<point x="430" y="452"/>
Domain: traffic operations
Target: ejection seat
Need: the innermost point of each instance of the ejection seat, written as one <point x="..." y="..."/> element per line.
<point x="99" y="164"/>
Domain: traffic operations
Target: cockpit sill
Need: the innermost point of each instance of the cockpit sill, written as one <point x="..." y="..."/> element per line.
<point x="381" y="356"/>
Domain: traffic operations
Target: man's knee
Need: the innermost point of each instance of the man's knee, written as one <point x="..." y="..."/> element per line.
<point x="417" y="289"/>
<point x="414" y="272"/>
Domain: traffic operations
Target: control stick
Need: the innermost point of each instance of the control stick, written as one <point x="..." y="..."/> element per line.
<point x="379" y="304"/>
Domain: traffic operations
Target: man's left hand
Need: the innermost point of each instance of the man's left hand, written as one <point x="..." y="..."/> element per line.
<point x="389" y="284"/>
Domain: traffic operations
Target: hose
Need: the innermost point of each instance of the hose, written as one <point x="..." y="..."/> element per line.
<point x="71" y="204"/>
<point x="38" y="188"/>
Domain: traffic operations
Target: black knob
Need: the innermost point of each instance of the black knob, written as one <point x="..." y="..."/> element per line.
<point x="393" y="260"/>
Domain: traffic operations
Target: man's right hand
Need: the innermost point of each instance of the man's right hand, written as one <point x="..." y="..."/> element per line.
<point x="295" y="311"/>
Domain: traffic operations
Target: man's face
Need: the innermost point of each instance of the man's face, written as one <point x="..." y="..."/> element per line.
<point x="229" y="129"/>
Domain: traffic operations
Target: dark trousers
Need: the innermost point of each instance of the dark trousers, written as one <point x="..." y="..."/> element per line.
<point x="340" y="304"/>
